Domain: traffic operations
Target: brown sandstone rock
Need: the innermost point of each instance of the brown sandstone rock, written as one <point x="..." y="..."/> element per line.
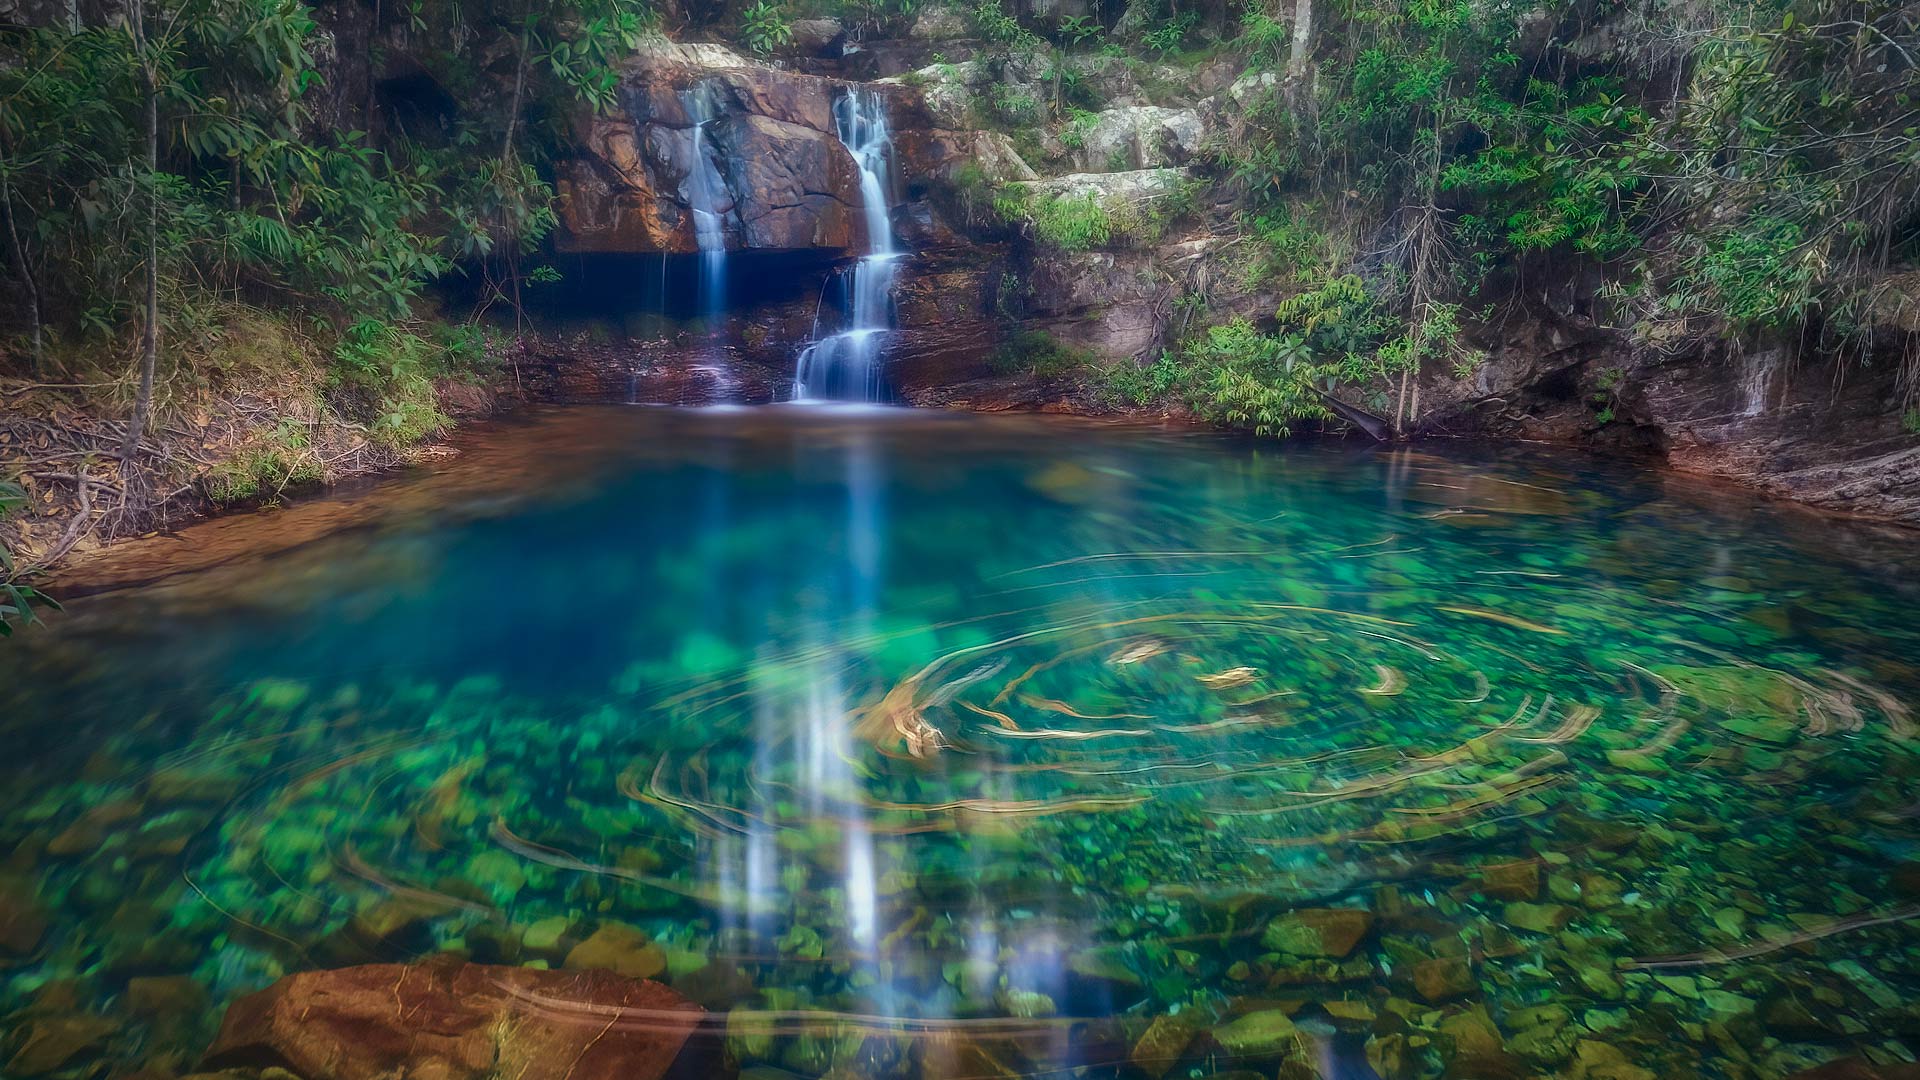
<point x="1331" y="932"/>
<point x="1511" y="880"/>
<point x="788" y="184"/>
<point x="1161" y="1045"/>
<point x="1444" y="979"/>
<point x="457" y="1022"/>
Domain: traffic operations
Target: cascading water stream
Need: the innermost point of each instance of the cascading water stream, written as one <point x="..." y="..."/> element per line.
<point x="707" y="197"/>
<point x="843" y="365"/>
<point x="704" y="190"/>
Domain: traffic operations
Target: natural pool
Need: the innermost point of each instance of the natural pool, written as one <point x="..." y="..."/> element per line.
<point x="924" y="745"/>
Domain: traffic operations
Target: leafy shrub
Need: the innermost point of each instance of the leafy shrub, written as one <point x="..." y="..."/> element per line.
<point x="1910" y="423"/>
<point x="764" y="28"/>
<point x="17" y="601"/>
<point x="394" y="367"/>
<point x="1071" y="222"/>
<point x="1171" y="36"/>
<point x="1141" y="384"/>
<point x="994" y="24"/>
<point x="1236" y="376"/>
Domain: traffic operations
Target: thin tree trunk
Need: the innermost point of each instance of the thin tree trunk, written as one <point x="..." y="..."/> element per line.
<point x="1298" y="58"/>
<point x="150" y="333"/>
<point x="519" y="86"/>
<point x="26" y="274"/>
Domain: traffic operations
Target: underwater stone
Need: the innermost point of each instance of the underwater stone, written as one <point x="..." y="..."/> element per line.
<point x="1026" y="1004"/>
<point x="545" y="935"/>
<point x="22" y="922"/>
<point x="1474" y="1033"/>
<point x="1161" y="1045"/>
<point x="1602" y="1061"/>
<point x="51" y="1042"/>
<point x="1539" y="918"/>
<point x="188" y="786"/>
<point x="1265" y="1034"/>
<point x="1444" y="979"/>
<point x="1104" y="963"/>
<point x="456" y="1022"/>
<point x="1328" y="932"/>
<point x="1511" y="881"/>
<point x="86" y="835"/>
<point x="619" y="948"/>
<point x="164" y="995"/>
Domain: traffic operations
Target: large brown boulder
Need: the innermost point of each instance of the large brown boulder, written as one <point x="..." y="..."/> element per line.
<point x="787" y="183"/>
<point x="457" y="1022"/>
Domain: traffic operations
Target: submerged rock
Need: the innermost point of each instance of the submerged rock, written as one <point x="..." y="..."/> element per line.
<point x="47" y="1043"/>
<point x="621" y="949"/>
<point x="1265" y="1034"/>
<point x="1161" y="1045"/>
<point x="22" y="921"/>
<point x="1444" y="979"/>
<point x="1329" y="932"/>
<point x="457" y="1022"/>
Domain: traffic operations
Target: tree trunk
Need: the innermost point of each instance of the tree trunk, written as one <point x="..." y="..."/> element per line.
<point x="1298" y="60"/>
<point x="1302" y="50"/>
<point x="19" y="251"/>
<point x="519" y="86"/>
<point x="150" y="333"/>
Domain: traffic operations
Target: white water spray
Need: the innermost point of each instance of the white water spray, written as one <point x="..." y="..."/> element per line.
<point x="844" y="365"/>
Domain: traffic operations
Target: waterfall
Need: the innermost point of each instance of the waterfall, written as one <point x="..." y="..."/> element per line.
<point x="843" y="365"/>
<point x="705" y="190"/>
<point x="1756" y="379"/>
<point x="708" y="198"/>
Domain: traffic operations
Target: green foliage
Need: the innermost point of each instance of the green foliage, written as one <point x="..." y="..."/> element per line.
<point x="265" y="469"/>
<point x="1037" y="353"/>
<point x="1079" y="122"/>
<point x="1757" y="272"/>
<point x="17" y="601"/>
<point x="1141" y="384"/>
<point x="1171" y="35"/>
<point x="1013" y="106"/>
<point x="1287" y="247"/>
<point x="252" y="195"/>
<point x="1074" y="30"/>
<point x="1071" y="222"/>
<point x="993" y="22"/>
<point x="1236" y="376"/>
<point x="1606" y="394"/>
<point x="764" y="27"/>
<point x="392" y="368"/>
<point x="1910" y="423"/>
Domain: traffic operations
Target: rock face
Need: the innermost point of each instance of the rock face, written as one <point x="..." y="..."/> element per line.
<point x="459" y="1022"/>
<point x="1139" y="137"/>
<point x="788" y="184"/>
<point x="1819" y="431"/>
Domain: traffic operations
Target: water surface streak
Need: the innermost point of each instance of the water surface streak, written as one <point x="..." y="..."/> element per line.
<point x="947" y="741"/>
